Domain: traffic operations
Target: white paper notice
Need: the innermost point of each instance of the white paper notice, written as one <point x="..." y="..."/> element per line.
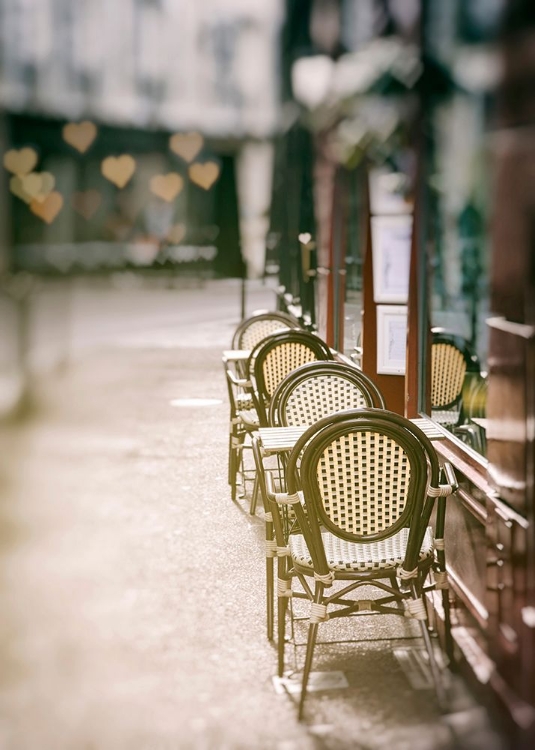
<point x="391" y="245"/>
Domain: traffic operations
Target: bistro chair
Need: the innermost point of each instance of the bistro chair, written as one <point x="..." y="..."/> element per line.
<point x="243" y="418"/>
<point x="317" y="389"/>
<point x="451" y="360"/>
<point x="269" y="362"/>
<point x="473" y="430"/>
<point x="275" y="357"/>
<point x="320" y="388"/>
<point x="307" y="394"/>
<point x="363" y="486"/>
<point x="260" y="325"/>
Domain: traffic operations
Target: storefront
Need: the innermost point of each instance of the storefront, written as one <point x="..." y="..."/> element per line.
<point x="423" y="188"/>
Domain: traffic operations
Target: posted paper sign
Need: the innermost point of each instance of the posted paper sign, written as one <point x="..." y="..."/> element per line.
<point x="391" y="339"/>
<point x="391" y="247"/>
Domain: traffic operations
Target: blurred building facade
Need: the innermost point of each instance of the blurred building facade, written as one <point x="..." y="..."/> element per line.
<point x="142" y="70"/>
<point x="170" y="64"/>
<point x="436" y="96"/>
<point x="423" y="109"/>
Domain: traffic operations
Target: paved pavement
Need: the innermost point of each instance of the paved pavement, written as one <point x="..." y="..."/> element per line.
<point x="132" y="586"/>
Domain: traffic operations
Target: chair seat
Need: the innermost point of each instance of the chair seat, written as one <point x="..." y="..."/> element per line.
<point x="445" y="417"/>
<point x="249" y="417"/>
<point x="244" y="401"/>
<point x="342" y="555"/>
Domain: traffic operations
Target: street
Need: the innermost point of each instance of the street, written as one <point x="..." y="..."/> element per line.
<point x="132" y="587"/>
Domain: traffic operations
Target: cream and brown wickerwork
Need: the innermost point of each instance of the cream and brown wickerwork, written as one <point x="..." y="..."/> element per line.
<point x="370" y="483"/>
<point x="451" y="360"/>
<point x="259" y="326"/>
<point x="307" y="394"/>
<point x="243" y="417"/>
<point x="317" y="389"/>
<point x="275" y="358"/>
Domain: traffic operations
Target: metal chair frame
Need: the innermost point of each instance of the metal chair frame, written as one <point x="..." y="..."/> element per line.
<point x="275" y="357"/>
<point x="337" y="534"/>
<point x="310" y="392"/>
<point x="242" y="419"/>
<point x="451" y="359"/>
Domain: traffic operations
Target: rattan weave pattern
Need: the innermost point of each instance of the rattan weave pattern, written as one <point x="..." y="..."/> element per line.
<point x="343" y="555"/>
<point x="448" y="368"/>
<point x="282" y="360"/>
<point x="319" y="396"/>
<point x="259" y="330"/>
<point x="363" y="479"/>
<point x="446" y="417"/>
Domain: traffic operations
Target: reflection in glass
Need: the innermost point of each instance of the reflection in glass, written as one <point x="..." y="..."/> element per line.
<point x="459" y="189"/>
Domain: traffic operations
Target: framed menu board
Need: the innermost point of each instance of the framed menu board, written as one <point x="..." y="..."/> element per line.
<point x="391" y="339"/>
<point x="391" y="246"/>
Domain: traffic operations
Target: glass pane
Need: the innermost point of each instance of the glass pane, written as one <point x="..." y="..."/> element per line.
<point x="459" y="187"/>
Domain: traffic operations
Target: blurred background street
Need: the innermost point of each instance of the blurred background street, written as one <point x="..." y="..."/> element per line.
<point x="132" y="587"/>
<point x="168" y="167"/>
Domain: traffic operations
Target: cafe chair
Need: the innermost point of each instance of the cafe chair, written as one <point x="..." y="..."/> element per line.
<point x="473" y="430"/>
<point x="320" y="388"/>
<point x="269" y="362"/>
<point x="451" y="360"/>
<point x="275" y="357"/>
<point x="363" y="485"/>
<point x="307" y="394"/>
<point x="260" y="325"/>
<point x="243" y="418"/>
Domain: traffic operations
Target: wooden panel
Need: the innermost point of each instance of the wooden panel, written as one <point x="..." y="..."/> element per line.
<point x="510" y="638"/>
<point x="510" y="411"/>
<point x="514" y="204"/>
<point x="465" y="544"/>
<point x="391" y="386"/>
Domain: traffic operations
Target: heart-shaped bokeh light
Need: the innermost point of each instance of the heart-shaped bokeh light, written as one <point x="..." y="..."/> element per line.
<point x="176" y="234"/>
<point x="204" y="175"/>
<point x="80" y="135"/>
<point x="118" y="169"/>
<point x="48" y="208"/>
<point x="20" y="162"/>
<point x="167" y="186"/>
<point x="86" y="203"/>
<point x="186" y="145"/>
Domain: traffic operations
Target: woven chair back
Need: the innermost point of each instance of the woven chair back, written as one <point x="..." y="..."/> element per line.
<point x="317" y="389"/>
<point x="252" y="330"/>
<point x="448" y="369"/>
<point x="278" y="355"/>
<point x="364" y="476"/>
<point x="451" y="359"/>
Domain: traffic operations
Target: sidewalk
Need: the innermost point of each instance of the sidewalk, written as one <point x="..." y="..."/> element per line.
<point x="132" y="587"/>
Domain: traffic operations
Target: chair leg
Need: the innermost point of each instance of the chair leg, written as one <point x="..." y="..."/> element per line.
<point x="441" y="564"/>
<point x="433" y="666"/>
<point x="234" y="460"/>
<point x="270" y="579"/>
<point x="282" y="607"/>
<point x="270" y="594"/>
<point x="311" y="643"/>
<point x="254" y="497"/>
<point x="448" y="639"/>
<point x="230" y="457"/>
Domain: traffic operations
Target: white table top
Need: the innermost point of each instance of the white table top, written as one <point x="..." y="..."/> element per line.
<point x="236" y="355"/>
<point x="279" y="439"/>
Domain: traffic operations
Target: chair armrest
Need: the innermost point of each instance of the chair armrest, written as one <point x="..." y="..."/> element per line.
<point x="238" y="382"/>
<point x="270" y="489"/>
<point x="443" y="490"/>
<point x="449" y="473"/>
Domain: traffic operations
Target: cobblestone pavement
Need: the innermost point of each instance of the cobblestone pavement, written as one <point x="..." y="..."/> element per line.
<point x="131" y="585"/>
